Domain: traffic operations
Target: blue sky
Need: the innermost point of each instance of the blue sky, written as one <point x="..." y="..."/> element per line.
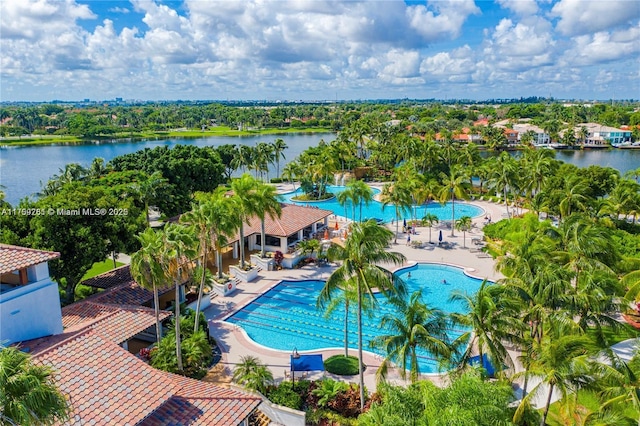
<point x="318" y="50"/>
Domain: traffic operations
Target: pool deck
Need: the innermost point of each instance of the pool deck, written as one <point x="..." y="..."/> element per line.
<point x="235" y="343"/>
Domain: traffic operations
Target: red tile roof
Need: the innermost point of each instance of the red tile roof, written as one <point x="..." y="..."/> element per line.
<point x="121" y="288"/>
<point x="293" y="219"/>
<point x="116" y="323"/>
<point x="107" y="385"/>
<point x="201" y="403"/>
<point x="13" y="258"/>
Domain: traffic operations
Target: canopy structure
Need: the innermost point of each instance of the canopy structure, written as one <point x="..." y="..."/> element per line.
<point x="307" y="363"/>
<point x="486" y="364"/>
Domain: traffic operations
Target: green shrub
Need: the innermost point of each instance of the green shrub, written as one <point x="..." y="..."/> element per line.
<point x="285" y="395"/>
<point x="341" y="365"/>
<point x="277" y="180"/>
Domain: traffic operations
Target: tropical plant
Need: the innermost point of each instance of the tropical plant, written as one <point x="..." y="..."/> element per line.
<point x="28" y="393"/>
<point x="246" y="203"/>
<point x="266" y="203"/>
<point x="464" y="224"/>
<point x="453" y="186"/>
<point x="147" y="269"/>
<point x="400" y="197"/>
<point x="414" y="326"/>
<point x="179" y="249"/>
<point x="429" y="220"/>
<point x="278" y="151"/>
<point x="364" y="250"/>
<point x="251" y="373"/>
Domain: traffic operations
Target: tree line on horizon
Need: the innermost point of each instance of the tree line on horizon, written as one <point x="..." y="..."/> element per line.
<point x="128" y="121"/>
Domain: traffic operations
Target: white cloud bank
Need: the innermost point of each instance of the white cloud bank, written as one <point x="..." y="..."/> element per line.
<point x="297" y="49"/>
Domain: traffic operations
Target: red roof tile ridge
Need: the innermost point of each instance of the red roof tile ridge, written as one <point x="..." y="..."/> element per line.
<point x="13" y="247"/>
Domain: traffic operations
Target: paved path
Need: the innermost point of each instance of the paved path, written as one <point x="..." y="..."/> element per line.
<point x="235" y="343"/>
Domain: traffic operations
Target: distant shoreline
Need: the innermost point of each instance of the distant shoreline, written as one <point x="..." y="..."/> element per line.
<point x="144" y="136"/>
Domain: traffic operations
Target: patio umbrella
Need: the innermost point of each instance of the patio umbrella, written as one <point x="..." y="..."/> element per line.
<point x="337" y="227"/>
<point x="404" y="223"/>
<point x="326" y="233"/>
<point x="440" y="236"/>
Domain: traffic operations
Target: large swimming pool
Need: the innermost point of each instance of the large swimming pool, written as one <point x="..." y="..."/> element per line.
<point x="387" y="213"/>
<point x="286" y="316"/>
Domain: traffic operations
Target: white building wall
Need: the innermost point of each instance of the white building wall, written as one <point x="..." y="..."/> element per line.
<point x="30" y="311"/>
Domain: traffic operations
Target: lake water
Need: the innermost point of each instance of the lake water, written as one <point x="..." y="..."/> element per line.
<point x="23" y="169"/>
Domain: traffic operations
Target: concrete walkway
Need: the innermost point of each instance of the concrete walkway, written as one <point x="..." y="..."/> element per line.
<point x="235" y="343"/>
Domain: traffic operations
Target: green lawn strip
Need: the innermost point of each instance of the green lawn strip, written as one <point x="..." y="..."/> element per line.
<point x="100" y="268"/>
<point x="341" y="365"/>
<point x="213" y="132"/>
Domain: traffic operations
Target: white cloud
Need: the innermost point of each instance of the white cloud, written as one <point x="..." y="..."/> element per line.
<point x="441" y="19"/>
<point x="585" y="17"/>
<point x="603" y="47"/>
<point x="520" y="7"/>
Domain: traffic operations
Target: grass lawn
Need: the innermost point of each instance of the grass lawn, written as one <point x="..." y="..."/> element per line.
<point x="341" y="365"/>
<point x="100" y="268"/>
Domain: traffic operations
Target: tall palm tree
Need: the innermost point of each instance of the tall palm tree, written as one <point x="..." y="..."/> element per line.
<point x="148" y="190"/>
<point x="179" y="249"/>
<point x="199" y="218"/>
<point x="147" y="269"/>
<point x="363" y="252"/>
<point x="503" y="176"/>
<point x="245" y="197"/>
<point x="454" y="186"/>
<point x="400" y="197"/>
<point x="429" y="220"/>
<point x="618" y="383"/>
<point x="464" y="224"/>
<point x="557" y="362"/>
<point x="414" y="326"/>
<point x="267" y="203"/>
<point x="362" y="194"/>
<point x="279" y="146"/>
<point x="28" y="393"/>
<point x="488" y="324"/>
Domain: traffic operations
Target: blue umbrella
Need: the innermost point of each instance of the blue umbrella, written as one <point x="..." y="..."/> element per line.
<point x="440" y="236"/>
<point x="404" y="223"/>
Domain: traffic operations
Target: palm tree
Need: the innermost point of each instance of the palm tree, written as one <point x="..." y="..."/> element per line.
<point x="618" y="383"/>
<point x="363" y="252"/>
<point x="503" y="176"/>
<point x="244" y="194"/>
<point x="278" y="151"/>
<point x="415" y="326"/>
<point x="344" y="197"/>
<point x="464" y="224"/>
<point x="149" y="189"/>
<point x="400" y="197"/>
<point x="267" y="203"/>
<point x="28" y="393"/>
<point x="252" y="374"/>
<point x="291" y="171"/>
<point x="200" y="220"/>
<point x="362" y="193"/>
<point x="453" y="186"/>
<point x="429" y="220"/>
<point x="179" y="249"/>
<point x="147" y="269"/>
<point x="487" y="322"/>
<point x="556" y="361"/>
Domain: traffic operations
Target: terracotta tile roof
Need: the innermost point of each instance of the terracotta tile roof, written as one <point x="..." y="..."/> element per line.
<point x="121" y="288"/>
<point x="110" y="278"/>
<point x="115" y="323"/>
<point x="13" y="258"/>
<point x="105" y="384"/>
<point x="201" y="403"/>
<point x="293" y="219"/>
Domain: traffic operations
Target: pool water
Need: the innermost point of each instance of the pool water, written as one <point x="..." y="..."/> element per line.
<point x="286" y="316"/>
<point x="387" y="213"/>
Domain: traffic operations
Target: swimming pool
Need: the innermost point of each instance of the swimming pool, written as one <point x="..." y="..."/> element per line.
<point x="286" y="316"/>
<point x="387" y="213"/>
